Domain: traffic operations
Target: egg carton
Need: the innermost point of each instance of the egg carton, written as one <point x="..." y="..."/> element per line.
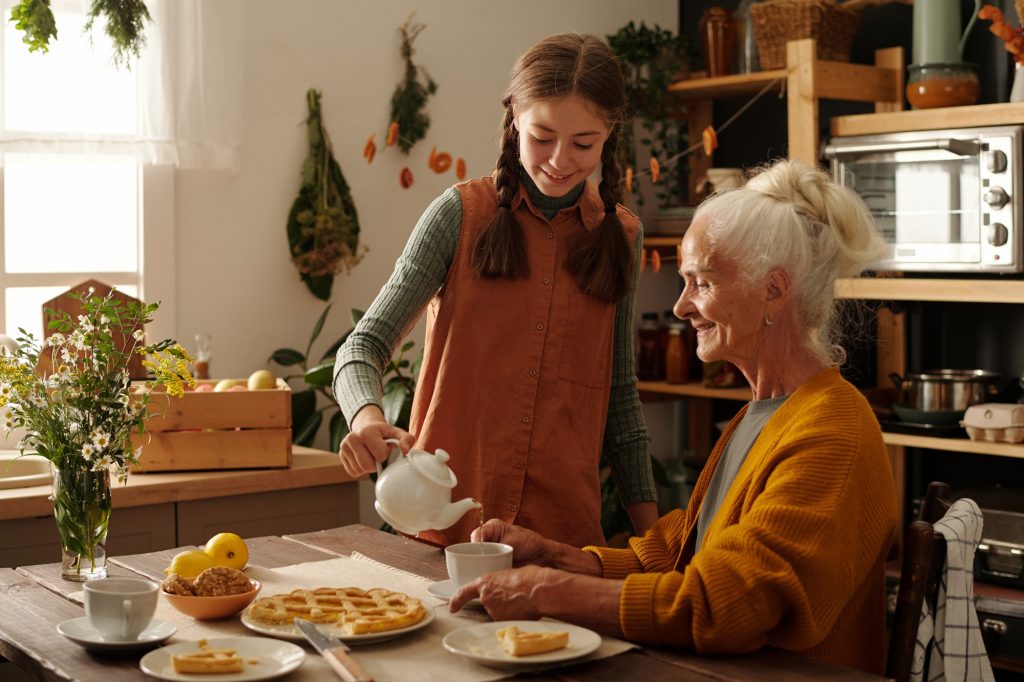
<point x="996" y="422"/>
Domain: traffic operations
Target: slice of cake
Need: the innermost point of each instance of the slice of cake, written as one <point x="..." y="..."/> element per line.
<point x="208" y="662"/>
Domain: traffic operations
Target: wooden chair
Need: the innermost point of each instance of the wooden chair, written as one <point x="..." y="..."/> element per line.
<point x="924" y="553"/>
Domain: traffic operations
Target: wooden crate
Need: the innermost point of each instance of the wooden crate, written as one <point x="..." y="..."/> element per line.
<point x="204" y="430"/>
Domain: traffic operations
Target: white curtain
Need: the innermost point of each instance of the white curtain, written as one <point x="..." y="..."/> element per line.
<point x="187" y="87"/>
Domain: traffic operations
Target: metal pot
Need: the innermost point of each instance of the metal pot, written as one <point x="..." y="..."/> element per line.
<point x="946" y="389"/>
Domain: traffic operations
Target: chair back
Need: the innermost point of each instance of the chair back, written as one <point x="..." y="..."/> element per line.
<point x="924" y="552"/>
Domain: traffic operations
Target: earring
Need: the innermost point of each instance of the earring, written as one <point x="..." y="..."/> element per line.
<point x="768" y="321"/>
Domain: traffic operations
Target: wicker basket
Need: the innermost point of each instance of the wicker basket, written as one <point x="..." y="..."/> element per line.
<point x="778" y="21"/>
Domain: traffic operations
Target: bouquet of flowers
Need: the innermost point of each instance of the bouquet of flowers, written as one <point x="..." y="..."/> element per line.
<point x="1013" y="38"/>
<point x="79" y="408"/>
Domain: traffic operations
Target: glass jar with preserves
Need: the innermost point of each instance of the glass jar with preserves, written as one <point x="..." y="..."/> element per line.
<point x="718" y="41"/>
<point x="930" y="86"/>
<point x="677" y="356"/>
<point x="650" y="364"/>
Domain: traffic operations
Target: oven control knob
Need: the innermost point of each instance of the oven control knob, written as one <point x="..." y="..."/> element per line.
<point x="997" y="234"/>
<point x="995" y="161"/>
<point x="996" y="197"/>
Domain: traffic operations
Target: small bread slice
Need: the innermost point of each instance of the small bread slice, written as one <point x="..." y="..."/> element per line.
<point x="517" y="643"/>
<point x="208" y="662"/>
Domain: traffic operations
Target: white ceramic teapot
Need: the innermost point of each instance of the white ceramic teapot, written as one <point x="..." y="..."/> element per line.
<point x="414" y="493"/>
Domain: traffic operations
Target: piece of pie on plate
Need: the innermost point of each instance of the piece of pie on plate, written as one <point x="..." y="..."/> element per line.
<point x="519" y="643"/>
<point x="357" y="611"/>
<point x="208" y="662"/>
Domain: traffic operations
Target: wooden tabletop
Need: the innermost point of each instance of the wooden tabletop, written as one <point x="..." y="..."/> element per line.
<point x="34" y="599"/>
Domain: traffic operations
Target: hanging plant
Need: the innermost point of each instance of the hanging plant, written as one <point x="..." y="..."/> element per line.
<point x="323" y="227"/>
<point x="126" y="20"/>
<point x="410" y="97"/>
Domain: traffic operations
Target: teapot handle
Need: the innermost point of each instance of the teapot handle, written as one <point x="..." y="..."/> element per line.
<point x="392" y="442"/>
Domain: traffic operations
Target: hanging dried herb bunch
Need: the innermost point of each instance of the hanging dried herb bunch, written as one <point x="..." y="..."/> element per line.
<point x="323" y="227"/>
<point x="126" y="21"/>
<point x="411" y="95"/>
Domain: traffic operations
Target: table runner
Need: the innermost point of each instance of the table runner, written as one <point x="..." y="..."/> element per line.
<point x="404" y="658"/>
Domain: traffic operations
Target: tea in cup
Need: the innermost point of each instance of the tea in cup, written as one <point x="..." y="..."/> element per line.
<point x="120" y="608"/>
<point x="467" y="561"/>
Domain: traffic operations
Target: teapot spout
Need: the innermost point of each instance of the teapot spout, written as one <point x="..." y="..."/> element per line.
<point x="453" y="512"/>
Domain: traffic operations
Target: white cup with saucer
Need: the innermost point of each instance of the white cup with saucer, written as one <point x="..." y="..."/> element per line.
<point x="120" y="609"/>
<point x="466" y="562"/>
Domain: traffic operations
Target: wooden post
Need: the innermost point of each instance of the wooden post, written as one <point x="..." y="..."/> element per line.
<point x="802" y="100"/>
<point x="891" y="58"/>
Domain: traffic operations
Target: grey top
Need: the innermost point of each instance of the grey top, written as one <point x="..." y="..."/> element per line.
<point x="736" y="451"/>
<point x="419" y="274"/>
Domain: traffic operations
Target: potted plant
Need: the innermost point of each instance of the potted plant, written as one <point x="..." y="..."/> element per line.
<point x="652" y="59"/>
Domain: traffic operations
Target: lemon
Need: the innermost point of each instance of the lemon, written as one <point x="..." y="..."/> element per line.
<point x="190" y="563"/>
<point x="227" y="549"/>
<point x="261" y="379"/>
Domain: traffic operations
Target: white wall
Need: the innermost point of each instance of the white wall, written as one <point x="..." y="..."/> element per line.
<point x="233" y="276"/>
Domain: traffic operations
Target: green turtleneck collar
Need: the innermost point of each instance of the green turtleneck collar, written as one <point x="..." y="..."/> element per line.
<point x="549" y="206"/>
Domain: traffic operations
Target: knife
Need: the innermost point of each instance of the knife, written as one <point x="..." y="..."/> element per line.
<point x="335" y="651"/>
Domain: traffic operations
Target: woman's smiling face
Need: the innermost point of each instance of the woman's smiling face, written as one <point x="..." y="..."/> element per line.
<point x="560" y="142"/>
<point x="726" y="313"/>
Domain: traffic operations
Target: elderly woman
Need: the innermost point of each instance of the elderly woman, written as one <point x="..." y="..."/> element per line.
<point x="784" y="540"/>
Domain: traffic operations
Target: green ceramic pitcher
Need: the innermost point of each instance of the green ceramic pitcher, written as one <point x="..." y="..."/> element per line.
<point x="937" y="36"/>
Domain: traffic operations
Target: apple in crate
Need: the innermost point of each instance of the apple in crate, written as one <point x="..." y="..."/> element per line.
<point x="262" y="379"/>
<point x="225" y="384"/>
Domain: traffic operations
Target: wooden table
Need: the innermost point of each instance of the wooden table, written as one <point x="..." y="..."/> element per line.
<point x="33" y="600"/>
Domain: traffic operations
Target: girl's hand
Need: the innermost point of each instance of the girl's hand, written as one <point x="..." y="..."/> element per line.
<point x="528" y="547"/>
<point x="364" y="445"/>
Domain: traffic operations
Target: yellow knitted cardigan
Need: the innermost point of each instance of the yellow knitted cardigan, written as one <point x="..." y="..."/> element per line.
<point x="794" y="557"/>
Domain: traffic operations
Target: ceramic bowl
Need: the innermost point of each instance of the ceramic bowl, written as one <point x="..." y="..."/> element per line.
<point x="210" y="608"/>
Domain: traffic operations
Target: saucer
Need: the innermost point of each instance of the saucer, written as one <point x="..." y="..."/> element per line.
<point x="81" y="631"/>
<point x="445" y="589"/>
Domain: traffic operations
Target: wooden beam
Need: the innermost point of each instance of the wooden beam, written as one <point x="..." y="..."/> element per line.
<point x="802" y="100"/>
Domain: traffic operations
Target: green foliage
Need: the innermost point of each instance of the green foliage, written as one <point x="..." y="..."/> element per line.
<point x="652" y="59"/>
<point x="35" y="18"/>
<point x="126" y="21"/>
<point x="323" y="226"/>
<point x="411" y="95"/>
<point x="399" y="386"/>
<point x="84" y="410"/>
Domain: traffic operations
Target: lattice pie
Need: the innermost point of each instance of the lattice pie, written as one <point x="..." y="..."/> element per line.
<point x="357" y="611"/>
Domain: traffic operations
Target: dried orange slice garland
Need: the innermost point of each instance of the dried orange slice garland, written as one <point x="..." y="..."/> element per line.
<point x="709" y="139"/>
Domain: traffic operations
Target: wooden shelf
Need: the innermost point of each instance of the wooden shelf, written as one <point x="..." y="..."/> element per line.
<point x="955" y="290"/>
<point x="930" y="119"/>
<point x="662" y="241"/>
<point x="974" y="447"/>
<point x="727" y="86"/>
<point x="693" y="390"/>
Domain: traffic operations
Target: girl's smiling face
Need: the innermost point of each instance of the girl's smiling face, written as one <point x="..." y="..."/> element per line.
<point x="560" y="142"/>
<point x="726" y="313"/>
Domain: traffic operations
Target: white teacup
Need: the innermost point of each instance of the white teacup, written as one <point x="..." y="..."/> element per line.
<point x="120" y="608"/>
<point x="467" y="561"/>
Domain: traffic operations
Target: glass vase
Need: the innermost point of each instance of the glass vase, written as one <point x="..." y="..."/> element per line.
<point x="81" y="508"/>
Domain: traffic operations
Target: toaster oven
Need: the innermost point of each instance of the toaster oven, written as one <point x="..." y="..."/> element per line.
<point x="944" y="200"/>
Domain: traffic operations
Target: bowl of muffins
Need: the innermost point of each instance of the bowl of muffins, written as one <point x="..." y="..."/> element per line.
<point x="217" y="592"/>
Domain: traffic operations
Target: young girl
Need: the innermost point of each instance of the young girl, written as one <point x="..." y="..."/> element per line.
<point x="529" y="278"/>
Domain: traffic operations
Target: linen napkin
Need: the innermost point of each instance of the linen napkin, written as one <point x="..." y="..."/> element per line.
<point x="403" y="658"/>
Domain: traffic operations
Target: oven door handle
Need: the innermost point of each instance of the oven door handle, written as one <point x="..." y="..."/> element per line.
<point x="949" y="144"/>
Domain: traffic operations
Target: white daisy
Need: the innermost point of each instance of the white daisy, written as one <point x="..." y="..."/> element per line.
<point x="138" y="335"/>
<point x="100" y="440"/>
<point x="88" y="450"/>
<point x="56" y="339"/>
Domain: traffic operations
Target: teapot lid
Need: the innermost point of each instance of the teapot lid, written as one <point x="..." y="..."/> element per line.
<point x="433" y="467"/>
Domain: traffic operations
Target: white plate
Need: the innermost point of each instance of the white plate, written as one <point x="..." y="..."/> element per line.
<point x="81" y="631"/>
<point x="445" y="589"/>
<point x="479" y="643"/>
<point x="275" y="658"/>
<point x="289" y="631"/>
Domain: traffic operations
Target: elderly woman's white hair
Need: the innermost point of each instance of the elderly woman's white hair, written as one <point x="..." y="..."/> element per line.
<point x="792" y="216"/>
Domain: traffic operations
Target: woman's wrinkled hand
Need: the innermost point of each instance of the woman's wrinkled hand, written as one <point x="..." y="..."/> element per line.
<point x="529" y="547"/>
<point x="507" y="595"/>
<point x="365" y="445"/>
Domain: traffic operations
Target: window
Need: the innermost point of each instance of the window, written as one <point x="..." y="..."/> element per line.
<point x="73" y="204"/>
